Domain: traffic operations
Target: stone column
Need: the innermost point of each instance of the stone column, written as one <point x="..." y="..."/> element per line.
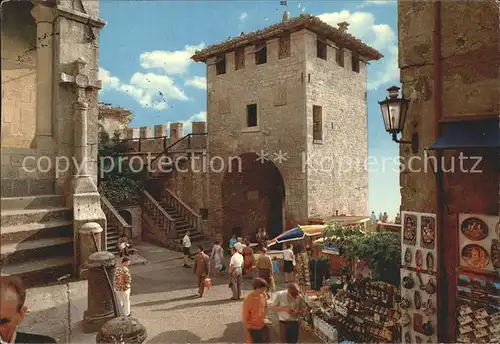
<point x="87" y="246"/>
<point x="122" y="330"/>
<point x="176" y="131"/>
<point x="100" y="298"/>
<point x="44" y="16"/>
<point x="160" y="130"/>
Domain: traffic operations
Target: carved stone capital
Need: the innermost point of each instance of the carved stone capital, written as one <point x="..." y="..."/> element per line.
<point x="43" y="14"/>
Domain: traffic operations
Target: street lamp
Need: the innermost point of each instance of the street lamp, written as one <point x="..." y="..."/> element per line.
<point x="394" y="110"/>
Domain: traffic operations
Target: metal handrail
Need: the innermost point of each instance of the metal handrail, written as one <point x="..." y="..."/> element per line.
<point x="166" y="150"/>
<point x="108" y="279"/>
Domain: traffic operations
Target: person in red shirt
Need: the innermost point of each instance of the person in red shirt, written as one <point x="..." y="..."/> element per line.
<point x="255" y="313"/>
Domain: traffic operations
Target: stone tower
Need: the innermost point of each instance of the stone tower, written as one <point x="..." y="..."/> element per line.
<point x="287" y="116"/>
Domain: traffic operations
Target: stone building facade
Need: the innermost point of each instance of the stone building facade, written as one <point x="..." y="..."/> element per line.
<point x="294" y="92"/>
<point x="114" y="119"/>
<point x="49" y="114"/>
<point x="449" y="59"/>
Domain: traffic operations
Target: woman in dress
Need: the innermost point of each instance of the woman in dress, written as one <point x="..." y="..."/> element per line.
<point x="248" y="259"/>
<point x="217" y="256"/>
<point x="288" y="263"/>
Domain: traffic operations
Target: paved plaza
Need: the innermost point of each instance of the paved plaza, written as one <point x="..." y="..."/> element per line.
<point x="163" y="299"/>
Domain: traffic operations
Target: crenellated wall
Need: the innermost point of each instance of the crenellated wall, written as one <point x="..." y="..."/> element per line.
<point x="156" y="139"/>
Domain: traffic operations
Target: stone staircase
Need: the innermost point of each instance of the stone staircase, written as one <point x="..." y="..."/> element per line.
<point x="115" y="225"/>
<point x="182" y="226"/>
<point x="36" y="238"/>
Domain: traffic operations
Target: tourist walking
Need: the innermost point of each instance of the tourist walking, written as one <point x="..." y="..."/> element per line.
<point x="201" y="269"/>
<point x="239" y="245"/>
<point x="217" y="256"/>
<point x="232" y="241"/>
<point x="123" y="245"/>
<point x="289" y="305"/>
<point x="255" y="312"/>
<point x="248" y="259"/>
<point x="264" y="267"/>
<point x="186" y="248"/>
<point x="12" y="311"/>
<point x="123" y="281"/>
<point x="235" y="266"/>
<point x="288" y="263"/>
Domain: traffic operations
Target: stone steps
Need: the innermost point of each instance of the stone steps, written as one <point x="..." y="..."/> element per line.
<point x="40" y="271"/>
<point x="37" y="238"/>
<point x="14" y="203"/>
<point x="15" y="217"/>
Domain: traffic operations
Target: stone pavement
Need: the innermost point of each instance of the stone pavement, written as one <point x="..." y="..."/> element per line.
<point x="163" y="299"/>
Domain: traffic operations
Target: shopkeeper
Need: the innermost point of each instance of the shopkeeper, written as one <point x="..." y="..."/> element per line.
<point x="289" y="305"/>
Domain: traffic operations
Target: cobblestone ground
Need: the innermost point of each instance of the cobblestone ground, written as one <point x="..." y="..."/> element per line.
<point x="163" y="298"/>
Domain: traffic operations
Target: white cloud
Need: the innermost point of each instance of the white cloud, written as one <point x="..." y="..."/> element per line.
<point x="149" y="90"/>
<point x="197" y="82"/>
<point x="243" y="16"/>
<point x="188" y="124"/>
<point x="171" y="62"/>
<point x="380" y="36"/>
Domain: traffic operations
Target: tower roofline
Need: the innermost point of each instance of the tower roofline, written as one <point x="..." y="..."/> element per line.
<point x="304" y="21"/>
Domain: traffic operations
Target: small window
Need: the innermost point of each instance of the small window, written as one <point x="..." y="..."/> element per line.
<point x="340" y="57"/>
<point x="284" y="48"/>
<point x="252" y="115"/>
<point x="220" y="65"/>
<point x="239" y="57"/>
<point x="355" y="63"/>
<point x="317" y="123"/>
<point x="260" y="54"/>
<point x="321" y="49"/>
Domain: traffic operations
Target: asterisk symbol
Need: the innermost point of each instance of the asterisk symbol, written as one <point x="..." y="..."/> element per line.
<point x="280" y="157"/>
<point x="262" y="157"/>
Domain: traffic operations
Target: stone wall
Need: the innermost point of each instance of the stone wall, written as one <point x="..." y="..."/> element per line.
<point x="470" y="52"/>
<point x="337" y="179"/>
<point x="19" y="40"/>
<point x="278" y="89"/>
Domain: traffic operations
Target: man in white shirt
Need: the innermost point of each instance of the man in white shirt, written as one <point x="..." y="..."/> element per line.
<point x="239" y="246"/>
<point x="186" y="248"/>
<point x="235" y="274"/>
<point x="289" y="305"/>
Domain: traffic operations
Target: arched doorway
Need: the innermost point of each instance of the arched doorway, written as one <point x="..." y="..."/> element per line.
<point x="253" y="197"/>
<point x="126" y="216"/>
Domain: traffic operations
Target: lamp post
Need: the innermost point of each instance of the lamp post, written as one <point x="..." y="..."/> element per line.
<point x="394" y="110"/>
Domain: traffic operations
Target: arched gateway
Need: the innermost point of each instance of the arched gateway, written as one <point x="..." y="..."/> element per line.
<point x="253" y="197"/>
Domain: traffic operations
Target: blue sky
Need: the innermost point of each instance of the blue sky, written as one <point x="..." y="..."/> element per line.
<point x="146" y="47"/>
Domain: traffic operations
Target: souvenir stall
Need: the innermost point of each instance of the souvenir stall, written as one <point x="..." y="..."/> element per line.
<point x="418" y="278"/>
<point x="478" y="287"/>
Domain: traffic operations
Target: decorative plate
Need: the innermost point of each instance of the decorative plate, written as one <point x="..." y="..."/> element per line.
<point x="408" y="256"/>
<point x="417" y="300"/>
<point x="495" y="253"/>
<point x="429" y="261"/>
<point x="410" y="229"/>
<point x="419" y="259"/>
<point x="427" y="232"/>
<point x="474" y="229"/>
<point x="475" y="256"/>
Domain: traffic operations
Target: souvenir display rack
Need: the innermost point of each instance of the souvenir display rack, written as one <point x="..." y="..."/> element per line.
<point x="367" y="313"/>
<point x="418" y="281"/>
<point x="478" y="285"/>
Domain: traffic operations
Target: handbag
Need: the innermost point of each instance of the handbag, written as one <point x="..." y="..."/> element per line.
<point x="208" y="283"/>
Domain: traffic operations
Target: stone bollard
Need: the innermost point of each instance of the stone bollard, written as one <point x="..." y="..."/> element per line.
<point x="87" y="246"/>
<point x="99" y="296"/>
<point x="124" y="330"/>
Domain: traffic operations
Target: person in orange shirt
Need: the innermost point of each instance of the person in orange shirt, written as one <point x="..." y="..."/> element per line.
<point x="255" y="313"/>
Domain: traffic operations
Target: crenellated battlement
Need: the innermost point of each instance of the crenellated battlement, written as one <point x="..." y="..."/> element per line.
<point x="142" y="140"/>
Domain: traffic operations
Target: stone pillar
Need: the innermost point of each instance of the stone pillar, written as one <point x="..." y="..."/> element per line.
<point x="87" y="246"/>
<point x="125" y="330"/>
<point x="199" y="127"/>
<point x="146" y="132"/>
<point x="176" y="131"/>
<point x="44" y="16"/>
<point x="160" y="130"/>
<point x="100" y="298"/>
